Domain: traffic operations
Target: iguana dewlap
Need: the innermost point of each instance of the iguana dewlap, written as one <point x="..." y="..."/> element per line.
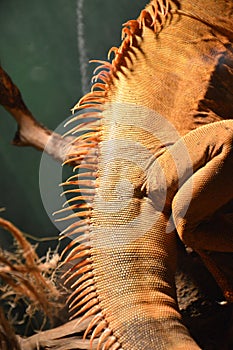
<point x="156" y="159"/>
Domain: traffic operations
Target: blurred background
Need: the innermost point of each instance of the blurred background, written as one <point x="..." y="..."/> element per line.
<point x="45" y="47"/>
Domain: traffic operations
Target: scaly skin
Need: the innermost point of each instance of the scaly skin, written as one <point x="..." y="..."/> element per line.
<point x="151" y="164"/>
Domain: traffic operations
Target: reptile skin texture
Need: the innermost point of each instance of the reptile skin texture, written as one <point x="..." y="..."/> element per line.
<point x="154" y="160"/>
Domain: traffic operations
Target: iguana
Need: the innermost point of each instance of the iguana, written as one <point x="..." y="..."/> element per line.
<point x="154" y="158"/>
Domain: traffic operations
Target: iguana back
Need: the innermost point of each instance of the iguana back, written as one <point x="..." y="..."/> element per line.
<point x="172" y="74"/>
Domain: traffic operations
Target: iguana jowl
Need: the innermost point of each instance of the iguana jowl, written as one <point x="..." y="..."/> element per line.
<point x="157" y="158"/>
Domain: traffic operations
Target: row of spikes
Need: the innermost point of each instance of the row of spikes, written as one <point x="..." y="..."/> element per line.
<point x="85" y="299"/>
<point x="153" y="16"/>
<point x="85" y="295"/>
<point x="80" y="275"/>
<point x="86" y="156"/>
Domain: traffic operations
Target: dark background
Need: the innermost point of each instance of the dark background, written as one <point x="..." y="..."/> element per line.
<point x="45" y="47"/>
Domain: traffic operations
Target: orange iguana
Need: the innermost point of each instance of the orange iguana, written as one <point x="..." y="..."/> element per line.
<point x="154" y="155"/>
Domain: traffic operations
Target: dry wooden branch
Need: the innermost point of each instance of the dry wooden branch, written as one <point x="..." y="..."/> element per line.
<point x="30" y="132"/>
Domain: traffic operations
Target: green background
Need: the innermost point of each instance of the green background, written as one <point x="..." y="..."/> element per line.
<point x="43" y="44"/>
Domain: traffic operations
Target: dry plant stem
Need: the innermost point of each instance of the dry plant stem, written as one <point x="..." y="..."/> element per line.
<point x="30" y="132"/>
<point x="8" y="339"/>
<point x="35" y="287"/>
<point x="44" y="267"/>
<point x="29" y="253"/>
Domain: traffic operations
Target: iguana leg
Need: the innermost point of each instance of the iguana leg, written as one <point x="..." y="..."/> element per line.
<point x="199" y="180"/>
<point x="212" y="187"/>
<point x="205" y="226"/>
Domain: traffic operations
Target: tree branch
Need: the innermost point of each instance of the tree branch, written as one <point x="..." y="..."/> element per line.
<point x="30" y="132"/>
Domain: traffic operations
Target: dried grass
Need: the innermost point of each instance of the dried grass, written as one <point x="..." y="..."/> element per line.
<point x="26" y="279"/>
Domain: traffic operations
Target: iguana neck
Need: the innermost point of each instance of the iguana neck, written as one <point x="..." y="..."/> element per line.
<point x="175" y="74"/>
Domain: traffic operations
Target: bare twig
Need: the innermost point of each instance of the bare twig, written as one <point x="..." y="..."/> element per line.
<point x="30" y="132"/>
